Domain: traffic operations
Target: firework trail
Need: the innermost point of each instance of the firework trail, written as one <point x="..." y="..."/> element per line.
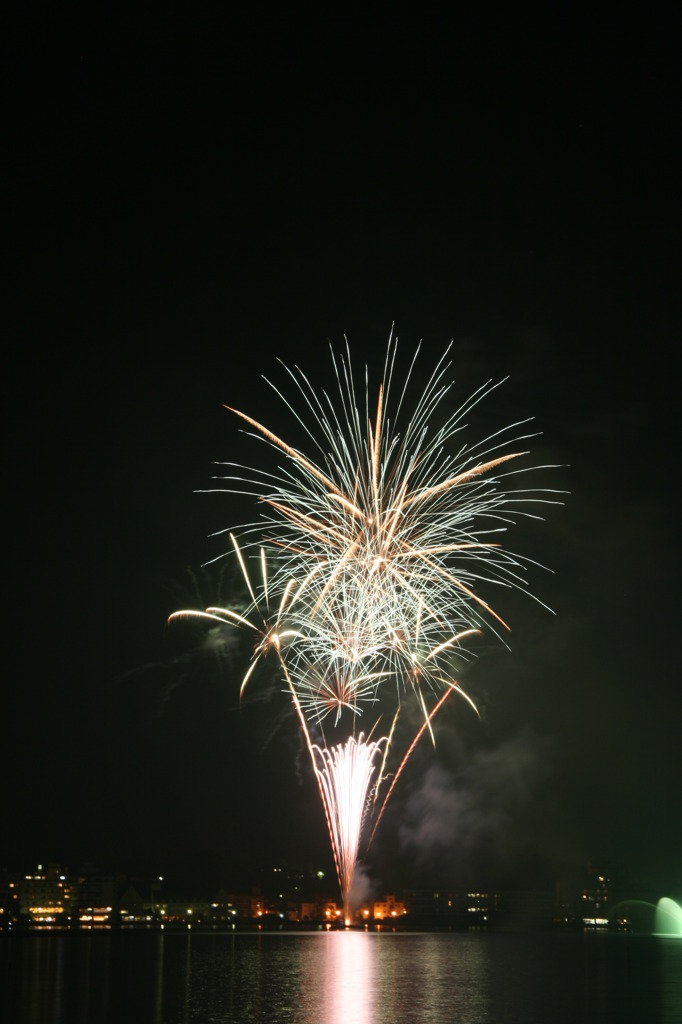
<point x="380" y="541"/>
<point x="344" y="777"/>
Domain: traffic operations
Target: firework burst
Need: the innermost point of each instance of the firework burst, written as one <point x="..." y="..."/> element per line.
<point x="382" y="541"/>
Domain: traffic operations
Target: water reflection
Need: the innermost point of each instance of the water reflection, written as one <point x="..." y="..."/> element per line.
<point x="349" y="987"/>
<point x="339" y="978"/>
<point x="450" y="981"/>
<point x="670" y="980"/>
<point x="158" y="995"/>
<point x="367" y="978"/>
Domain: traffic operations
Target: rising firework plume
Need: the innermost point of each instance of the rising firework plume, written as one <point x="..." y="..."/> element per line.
<point x="375" y="550"/>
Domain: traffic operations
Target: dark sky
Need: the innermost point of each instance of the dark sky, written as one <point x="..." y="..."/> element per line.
<point x="191" y="197"/>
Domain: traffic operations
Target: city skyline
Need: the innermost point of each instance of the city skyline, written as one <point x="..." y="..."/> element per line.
<point x="49" y="896"/>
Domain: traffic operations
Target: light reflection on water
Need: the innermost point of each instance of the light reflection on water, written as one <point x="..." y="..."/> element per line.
<point x="338" y="978"/>
<point x="349" y="979"/>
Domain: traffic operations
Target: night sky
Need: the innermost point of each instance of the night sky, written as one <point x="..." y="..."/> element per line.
<point x="192" y="197"/>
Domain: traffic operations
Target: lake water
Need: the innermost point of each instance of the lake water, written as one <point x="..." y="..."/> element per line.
<point x="339" y="978"/>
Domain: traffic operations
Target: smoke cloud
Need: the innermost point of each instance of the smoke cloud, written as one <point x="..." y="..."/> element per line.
<point x="362" y="887"/>
<point x="483" y="814"/>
